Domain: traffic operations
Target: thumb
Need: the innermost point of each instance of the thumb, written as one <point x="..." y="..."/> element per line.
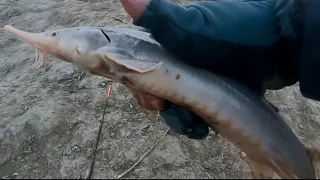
<point x="134" y="8"/>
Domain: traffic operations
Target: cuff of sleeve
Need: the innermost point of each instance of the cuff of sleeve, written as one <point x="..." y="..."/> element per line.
<point x="155" y="5"/>
<point x="166" y="9"/>
<point x="147" y="18"/>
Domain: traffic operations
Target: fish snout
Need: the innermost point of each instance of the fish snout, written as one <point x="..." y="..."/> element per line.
<point x="46" y="42"/>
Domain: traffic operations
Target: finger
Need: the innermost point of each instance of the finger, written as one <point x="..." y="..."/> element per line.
<point x="134" y="8"/>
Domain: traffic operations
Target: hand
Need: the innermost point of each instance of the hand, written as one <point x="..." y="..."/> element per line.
<point x="148" y="102"/>
<point x="134" y="8"/>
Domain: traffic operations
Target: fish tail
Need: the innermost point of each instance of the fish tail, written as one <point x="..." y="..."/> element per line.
<point x="314" y="156"/>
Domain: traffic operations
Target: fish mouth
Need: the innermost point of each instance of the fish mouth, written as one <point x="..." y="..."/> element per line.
<point x="41" y="41"/>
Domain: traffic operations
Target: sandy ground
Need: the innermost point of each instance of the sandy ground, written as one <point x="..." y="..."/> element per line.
<point x="50" y="117"/>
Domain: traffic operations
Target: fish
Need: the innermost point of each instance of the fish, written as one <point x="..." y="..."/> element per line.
<point x="136" y="60"/>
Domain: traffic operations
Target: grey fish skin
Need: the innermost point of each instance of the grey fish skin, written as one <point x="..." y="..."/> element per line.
<point x="135" y="59"/>
<point x="228" y="101"/>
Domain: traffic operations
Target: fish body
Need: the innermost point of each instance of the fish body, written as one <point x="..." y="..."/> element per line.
<point x="136" y="60"/>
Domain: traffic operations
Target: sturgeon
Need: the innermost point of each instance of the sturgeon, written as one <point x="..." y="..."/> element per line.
<point x="134" y="59"/>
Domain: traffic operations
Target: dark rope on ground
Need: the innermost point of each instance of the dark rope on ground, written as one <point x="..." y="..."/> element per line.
<point x="98" y="135"/>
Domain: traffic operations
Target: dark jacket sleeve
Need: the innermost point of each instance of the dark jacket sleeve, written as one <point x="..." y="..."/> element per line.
<point x="310" y="54"/>
<point x="222" y="36"/>
<point x="245" y="23"/>
<point x="227" y="36"/>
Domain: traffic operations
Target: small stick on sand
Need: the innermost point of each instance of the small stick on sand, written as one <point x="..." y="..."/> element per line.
<point x="144" y="155"/>
<point x="118" y="19"/>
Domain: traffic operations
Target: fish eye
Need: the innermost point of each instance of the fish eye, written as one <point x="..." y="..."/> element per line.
<point x="53" y="34"/>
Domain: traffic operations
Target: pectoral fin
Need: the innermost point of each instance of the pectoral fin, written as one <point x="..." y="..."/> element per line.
<point x="137" y="65"/>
